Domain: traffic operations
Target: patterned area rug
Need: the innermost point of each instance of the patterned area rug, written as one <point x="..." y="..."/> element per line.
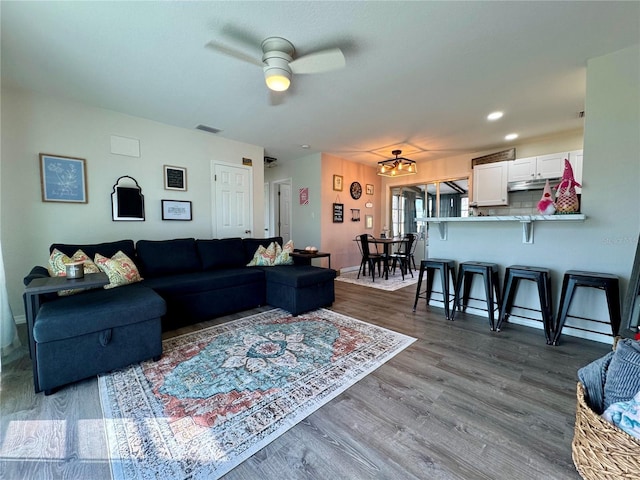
<point x="220" y="394"/>
<point x="394" y="282"/>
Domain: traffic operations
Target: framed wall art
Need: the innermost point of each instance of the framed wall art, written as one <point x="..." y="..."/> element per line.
<point x="338" y="212"/>
<point x="369" y="189"/>
<point x="63" y="179"/>
<point x="337" y="183"/>
<point x="368" y="222"/>
<point x="175" y="178"/>
<point x="176" y="210"/>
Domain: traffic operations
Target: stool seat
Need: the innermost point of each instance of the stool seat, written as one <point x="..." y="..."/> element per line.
<point x="579" y="278"/>
<point x="447" y="268"/>
<point x="489" y="272"/>
<point x="542" y="277"/>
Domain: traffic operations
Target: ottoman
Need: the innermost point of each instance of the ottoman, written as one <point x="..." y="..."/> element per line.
<point x="299" y="288"/>
<point x="82" y="335"/>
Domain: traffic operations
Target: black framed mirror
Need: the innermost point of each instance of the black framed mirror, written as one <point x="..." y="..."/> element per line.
<point x="127" y="201"/>
<point x="631" y="307"/>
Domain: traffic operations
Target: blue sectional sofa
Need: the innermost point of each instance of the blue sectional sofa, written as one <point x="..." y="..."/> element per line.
<point x="184" y="281"/>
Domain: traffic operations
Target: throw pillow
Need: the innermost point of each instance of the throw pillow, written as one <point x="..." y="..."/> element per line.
<point x="120" y="269"/>
<point x="284" y="257"/>
<point x="58" y="267"/>
<point x="264" y="257"/>
<point x="623" y="375"/>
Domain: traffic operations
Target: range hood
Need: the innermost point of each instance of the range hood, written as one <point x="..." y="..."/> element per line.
<point x="536" y="184"/>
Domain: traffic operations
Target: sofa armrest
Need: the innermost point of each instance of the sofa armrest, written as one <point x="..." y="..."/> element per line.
<point x="36" y="272"/>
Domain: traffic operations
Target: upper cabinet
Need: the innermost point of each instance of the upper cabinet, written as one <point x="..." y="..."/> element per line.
<point x="545" y="166"/>
<point x="490" y="184"/>
<point x="534" y="168"/>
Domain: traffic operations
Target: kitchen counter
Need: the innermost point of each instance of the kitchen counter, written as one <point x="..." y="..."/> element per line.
<point x="527" y="222"/>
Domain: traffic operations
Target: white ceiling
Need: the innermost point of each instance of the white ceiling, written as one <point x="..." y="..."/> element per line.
<point x="419" y="74"/>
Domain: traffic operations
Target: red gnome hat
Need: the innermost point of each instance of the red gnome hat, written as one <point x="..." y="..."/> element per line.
<point x="546" y="206"/>
<point x="567" y="199"/>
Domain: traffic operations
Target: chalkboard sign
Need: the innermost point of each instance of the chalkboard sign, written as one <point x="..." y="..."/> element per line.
<point x="338" y="212"/>
<point x="175" y="178"/>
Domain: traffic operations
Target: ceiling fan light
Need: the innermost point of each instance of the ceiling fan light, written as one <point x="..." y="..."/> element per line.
<point x="277" y="79"/>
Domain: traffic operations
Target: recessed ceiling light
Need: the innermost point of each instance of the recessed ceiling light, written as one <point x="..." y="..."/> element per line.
<point x="494" y="115"/>
<point x="511" y="136"/>
<point x="304" y="145"/>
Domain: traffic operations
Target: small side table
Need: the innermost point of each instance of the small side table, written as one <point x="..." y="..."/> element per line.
<point x="40" y="286"/>
<point x="310" y="255"/>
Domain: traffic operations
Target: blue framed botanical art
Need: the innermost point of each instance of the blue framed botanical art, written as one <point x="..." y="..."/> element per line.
<point x="63" y="179"/>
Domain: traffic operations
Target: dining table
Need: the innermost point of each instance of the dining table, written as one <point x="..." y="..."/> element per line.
<point x="387" y="244"/>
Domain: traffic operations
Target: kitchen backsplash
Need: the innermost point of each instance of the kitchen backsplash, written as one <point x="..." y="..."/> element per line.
<point x="520" y="203"/>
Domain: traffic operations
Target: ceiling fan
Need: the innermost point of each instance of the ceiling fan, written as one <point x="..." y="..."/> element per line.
<point x="278" y="62"/>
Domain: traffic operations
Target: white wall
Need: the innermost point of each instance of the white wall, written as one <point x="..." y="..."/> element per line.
<point x="33" y="124"/>
<point x="303" y="172"/>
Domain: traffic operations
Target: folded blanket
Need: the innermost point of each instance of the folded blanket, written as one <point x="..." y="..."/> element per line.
<point x="623" y="375"/>
<point x="593" y="377"/>
<point x="625" y="415"/>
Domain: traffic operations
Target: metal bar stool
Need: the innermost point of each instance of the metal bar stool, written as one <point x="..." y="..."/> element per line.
<point x="489" y="272"/>
<point x="542" y="277"/>
<point x="447" y="268"/>
<point x="604" y="281"/>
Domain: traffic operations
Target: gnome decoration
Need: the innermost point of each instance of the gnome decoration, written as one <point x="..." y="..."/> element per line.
<point x="546" y="206"/>
<point x="567" y="199"/>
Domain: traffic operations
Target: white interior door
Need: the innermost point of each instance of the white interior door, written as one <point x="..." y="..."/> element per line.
<point x="284" y="209"/>
<point x="232" y="207"/>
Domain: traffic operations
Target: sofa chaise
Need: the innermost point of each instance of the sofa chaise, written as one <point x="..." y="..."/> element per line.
<point x="185" y="281"/>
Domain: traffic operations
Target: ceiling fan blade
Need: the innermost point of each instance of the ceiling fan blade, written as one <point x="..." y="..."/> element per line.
<point x="234" y="53"/>
<point x="318" y="62"/>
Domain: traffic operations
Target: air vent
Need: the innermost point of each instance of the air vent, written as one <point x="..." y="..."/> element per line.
<point x="205" y="128"/>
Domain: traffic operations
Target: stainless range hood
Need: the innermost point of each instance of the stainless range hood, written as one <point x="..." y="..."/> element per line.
<point x="537" y="184"/>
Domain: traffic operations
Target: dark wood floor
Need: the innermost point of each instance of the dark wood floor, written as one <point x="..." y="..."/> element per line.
<point x="459" y="403"/>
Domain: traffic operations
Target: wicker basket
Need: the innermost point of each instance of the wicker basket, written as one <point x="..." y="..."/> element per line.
<point x="600" y="450"/>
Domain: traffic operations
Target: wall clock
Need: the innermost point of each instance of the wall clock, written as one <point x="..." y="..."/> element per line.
<point x="356" y="190"/>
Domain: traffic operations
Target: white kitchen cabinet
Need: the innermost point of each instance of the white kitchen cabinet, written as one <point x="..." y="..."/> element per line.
<point x="534" y="168"/>
<point x="490" y="184"/>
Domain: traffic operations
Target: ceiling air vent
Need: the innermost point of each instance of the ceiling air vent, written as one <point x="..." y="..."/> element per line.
<point x="205" y="128"/>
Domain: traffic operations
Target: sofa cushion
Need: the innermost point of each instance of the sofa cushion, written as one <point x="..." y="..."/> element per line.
<point x="107" y="249"/>
<point x="192" y="283"/>
<point x="167" y="257"/>
<point x="299" y="276"/>
<point x="95" y="311"/>
<point x="220" y="253"/>
<point x="252" y="244"/>
<point x="120" y="269"/>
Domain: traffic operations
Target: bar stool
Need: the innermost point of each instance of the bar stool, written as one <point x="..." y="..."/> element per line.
<point x="447" y="268"/>
<point x="603" y="281"/>
<point x="489" y="272"/>
<point x="542" y="277"/>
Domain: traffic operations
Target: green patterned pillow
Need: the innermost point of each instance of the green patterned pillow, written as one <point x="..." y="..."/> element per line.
<point x="120" y="269"/>
<point x="58" y="267"/>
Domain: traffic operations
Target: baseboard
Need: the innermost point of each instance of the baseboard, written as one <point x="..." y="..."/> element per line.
<point x="20" y="319"/>
<point x="348" y="269"/>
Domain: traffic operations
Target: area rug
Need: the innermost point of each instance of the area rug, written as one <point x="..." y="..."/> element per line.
<point x="395" y="282"/>
<point x="219" y="395"/>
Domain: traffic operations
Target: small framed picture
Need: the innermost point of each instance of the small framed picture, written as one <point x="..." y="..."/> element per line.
<point x="368" y="222"/>
<point x="337" y="183"/>
<point x="63" y="179"/>
<point x="175" y="178"/>
<point x="176" y="210"/>
<point x="369" y="189"/>
<point x="338" y="212"/>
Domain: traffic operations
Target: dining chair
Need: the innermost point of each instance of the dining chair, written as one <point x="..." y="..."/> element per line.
<point x="403" y="255"/>
<point x="368" y="258"/>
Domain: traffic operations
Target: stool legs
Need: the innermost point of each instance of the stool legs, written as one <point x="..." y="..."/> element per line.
<point x="445" y="272"/>
<point x="463" y="289"/>
<point x="603" y="281"/>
